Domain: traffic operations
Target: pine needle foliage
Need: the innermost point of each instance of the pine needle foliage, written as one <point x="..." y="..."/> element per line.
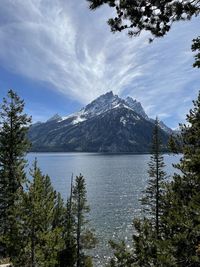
<point x="85" y="238"/>
<point x="39" y="237"/>
<point x="152" y="200"/>
<point x="14" y="125"/>
<point x="181" y="220"/>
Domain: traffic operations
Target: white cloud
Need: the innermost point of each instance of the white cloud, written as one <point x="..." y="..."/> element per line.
<point x="71" y="48"/>
<point x="63" y="45"/>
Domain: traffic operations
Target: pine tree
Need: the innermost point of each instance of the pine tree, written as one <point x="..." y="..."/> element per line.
<point x="14" y="145"/>
<point x="41" y="233"/>
<point x="146" y="239"/>
<point x="148" y="229"/>
<point x="59" y="212"/>
<point x="155" y="17"/>
<point x="181" y="217"/>
<point x="48" y="234"/>
<point x="84" y="237"/>
<point x="179" y="232"/>
<point x="175" y="144"/>
<point x="122" y="256"/>
<point x="68" y="255"/>
<point x="17" y="241"/>
<point x="155" y="189"/>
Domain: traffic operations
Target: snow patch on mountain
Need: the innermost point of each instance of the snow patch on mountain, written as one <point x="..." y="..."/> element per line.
<point x="136" y="106"/>
<point x="123" y="120"/>
<point x="78" y="119"/>
<point x="104" y="103"/>
<point x="55" y="117"/>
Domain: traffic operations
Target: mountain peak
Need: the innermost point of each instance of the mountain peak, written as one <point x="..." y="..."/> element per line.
<point x="136" y="106"/>
<point x="108" y="94"/>
<point x="102" y="104"/>
<point x="106" y="102"/>
<point x="130" y="99"/>
<point x="55" y="117"/>
<point x="109" y="123"/>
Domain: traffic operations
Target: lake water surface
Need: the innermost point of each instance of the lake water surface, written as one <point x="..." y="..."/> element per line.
<point x="114" y="185"/>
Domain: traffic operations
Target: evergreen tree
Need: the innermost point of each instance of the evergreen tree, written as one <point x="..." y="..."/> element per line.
<point x="181" y="217"/>
<point x="14" y="125"/>
<point x="122" y="256"/>
<point x="196" y="48"/>
<point x="84" y="237"/>
<point x="146" y="239"/>
<point x="153" y="194"/>
<point x="76" y="235"/>
<point x="155" y="17"/>
<point x="59" y="212"/>
<point x="68" y="255"/>
<point x="40" y="232"/>
<point x="179" y="233"/>
<point x="148" y="230"/>
<point x="173" y="146"/>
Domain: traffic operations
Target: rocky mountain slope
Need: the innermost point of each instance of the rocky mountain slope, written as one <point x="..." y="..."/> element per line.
<point x="107" y="124"/>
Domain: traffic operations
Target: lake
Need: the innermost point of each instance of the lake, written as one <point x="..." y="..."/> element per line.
<point x="114" y="186"/>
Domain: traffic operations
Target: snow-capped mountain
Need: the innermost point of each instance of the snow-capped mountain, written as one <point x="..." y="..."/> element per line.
<point x="104" y="103"/>
<point x="55" y="117"/>
<point x="109" y="123"/>
<point x="136" y="106"/>
<point x="101" y="105"/>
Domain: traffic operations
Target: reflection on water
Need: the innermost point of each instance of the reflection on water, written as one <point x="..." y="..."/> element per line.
<point x="114" y="185"/>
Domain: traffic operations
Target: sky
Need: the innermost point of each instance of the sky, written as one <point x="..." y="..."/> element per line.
<point x="58" y="56"/>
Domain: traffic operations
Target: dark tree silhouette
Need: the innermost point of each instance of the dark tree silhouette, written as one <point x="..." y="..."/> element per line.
<point x="153" y="16"/>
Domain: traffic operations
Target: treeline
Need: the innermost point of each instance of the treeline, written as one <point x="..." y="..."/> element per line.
<point x="37" y="229"/>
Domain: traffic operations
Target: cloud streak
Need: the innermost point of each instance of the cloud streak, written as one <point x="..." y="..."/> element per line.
<point x="60" y="46"/>
<point x="71" y="48"/>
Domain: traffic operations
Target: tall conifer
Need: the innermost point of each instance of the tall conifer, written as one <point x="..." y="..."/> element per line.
<point x="146" y="239"/>
<point x="181" y="219"/>
<point x="153" y="194"/>
<point x="85" y="238"/>
<point x="40" y="232"/>
<point x="68" y="254"/>
<point x="14" y="124"/>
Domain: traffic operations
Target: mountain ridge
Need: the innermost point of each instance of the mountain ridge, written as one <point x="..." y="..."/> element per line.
<point x="107" y="124"/>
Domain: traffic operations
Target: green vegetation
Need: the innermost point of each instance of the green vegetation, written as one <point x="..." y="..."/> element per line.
<point x="148" y="229"/>
<point x="13" y="147"/>
<point x="84" y="237"/>
<point x="196" y="48"/>
<point x="181" y="219"/>
<point x="156" y="17"/>
<point x="38" y="229"/>
<point x="174" y="145"/>
<point x="168" y="234"/>
<point x="77" y="236"/>
<point x="152" y="200"/>
<point x="38" y="238"/>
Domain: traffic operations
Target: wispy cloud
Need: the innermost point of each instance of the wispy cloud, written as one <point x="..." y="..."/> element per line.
<point x="71" y="48"/>
<point x="63" y="44"/>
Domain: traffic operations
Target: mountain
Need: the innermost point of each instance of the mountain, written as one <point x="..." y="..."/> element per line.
<point x="56" y="117"/>
<point x="107" y="124"/>
<point x="136" y="106"/>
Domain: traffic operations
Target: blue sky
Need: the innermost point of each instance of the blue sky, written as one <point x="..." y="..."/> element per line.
<point x="58" y="56"/>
